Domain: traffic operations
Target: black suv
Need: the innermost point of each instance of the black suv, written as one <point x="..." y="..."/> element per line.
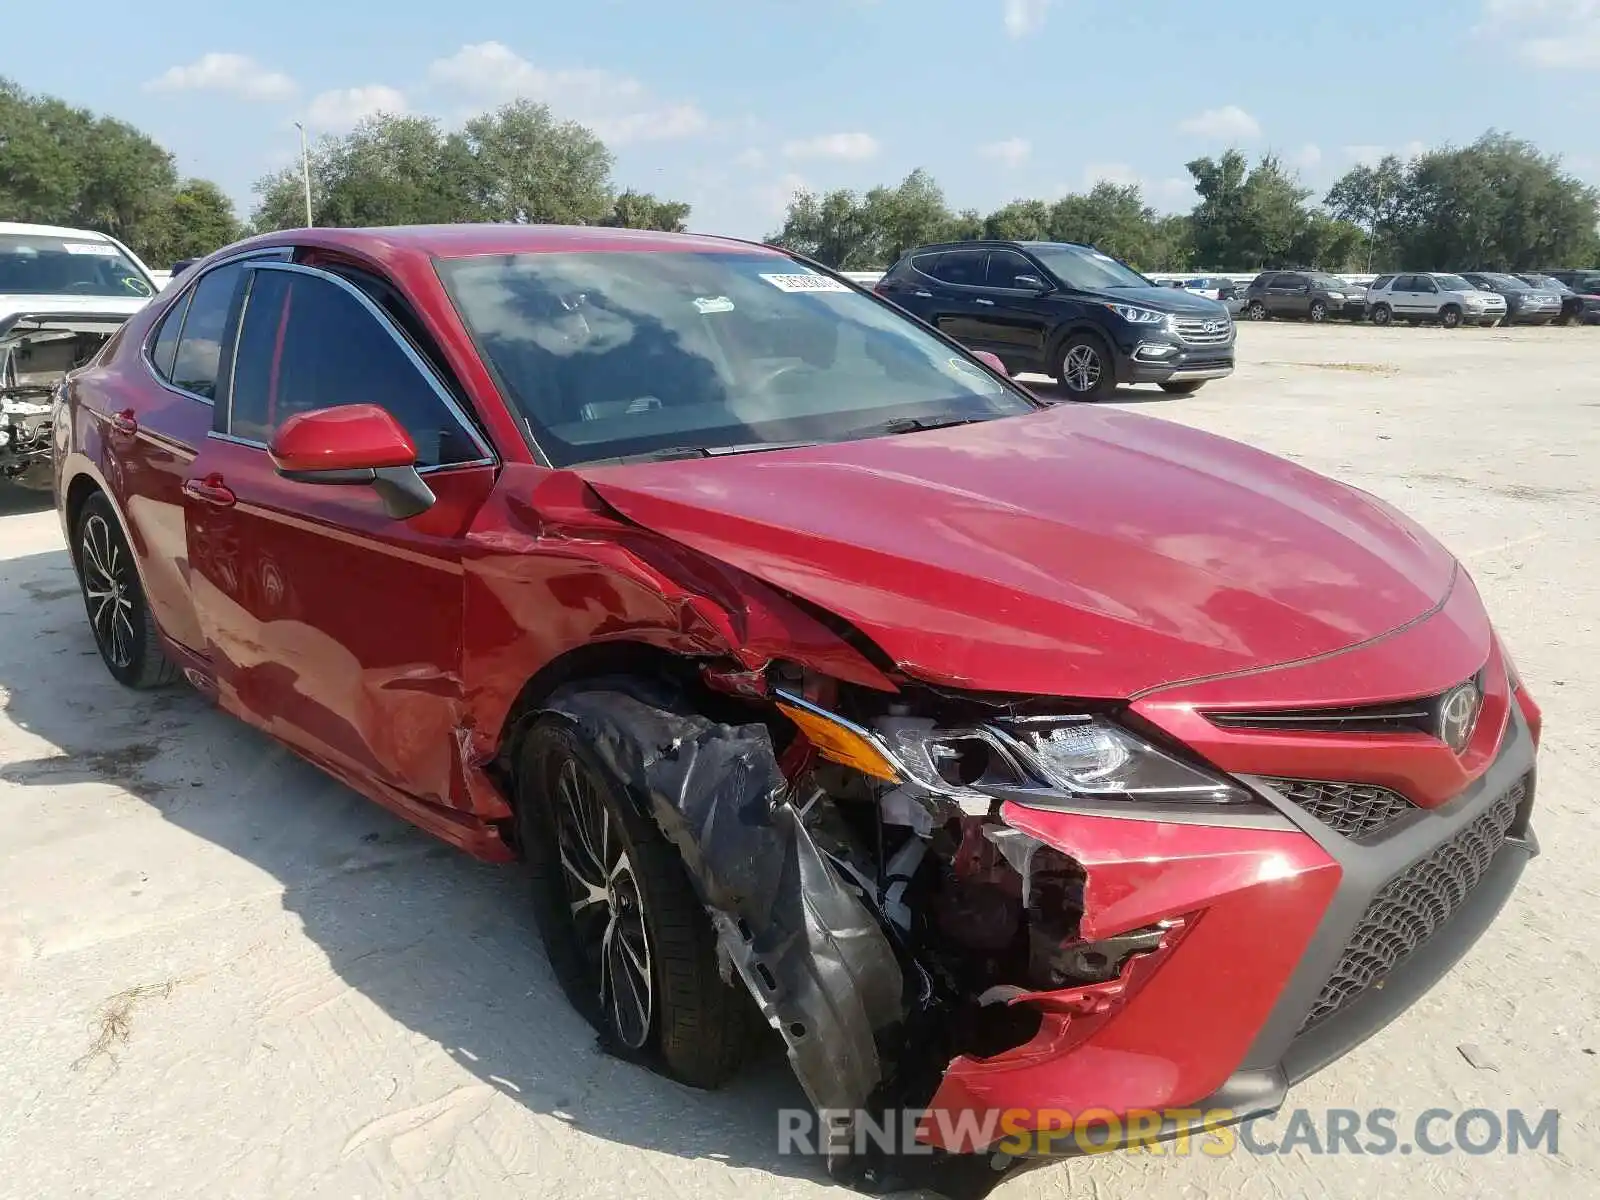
<point x="1310" y="295"/>
<point x="1062" y="309"/>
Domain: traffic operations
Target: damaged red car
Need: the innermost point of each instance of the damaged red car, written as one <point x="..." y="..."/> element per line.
<point x="1000" y="756"/>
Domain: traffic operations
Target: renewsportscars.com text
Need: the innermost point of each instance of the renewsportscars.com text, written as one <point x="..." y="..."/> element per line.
<point x="1180" y="1132"/>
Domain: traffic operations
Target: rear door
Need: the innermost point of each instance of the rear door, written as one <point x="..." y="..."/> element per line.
<point x="154" y="417"/>
<point x="1288" y="295"/>
<point x="957" y="286"/>
<point x="329" y="623"/>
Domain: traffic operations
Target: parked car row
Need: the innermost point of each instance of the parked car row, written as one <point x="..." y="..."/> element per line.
<point x="1468" y="298"/>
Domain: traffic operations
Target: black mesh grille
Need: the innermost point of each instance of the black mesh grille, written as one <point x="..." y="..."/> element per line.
<point x="1414" y="904"/>
<point x="1354" y="809"/>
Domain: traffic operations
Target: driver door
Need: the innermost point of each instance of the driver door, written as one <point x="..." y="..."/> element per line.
<point x="330" y="624"/>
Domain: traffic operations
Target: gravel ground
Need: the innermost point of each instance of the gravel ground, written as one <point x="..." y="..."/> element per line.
<point x="223" y="974"/>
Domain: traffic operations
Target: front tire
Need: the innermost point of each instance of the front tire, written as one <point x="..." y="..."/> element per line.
<point x="119" y="616"/>
<point x="627" y="938"/>
<point x="1256" y="311"/>
<point x="1450" y="317"/>
<point x="1085" y="368"/>
<point x="1319" y="312"/>
<point x="1382" y="314"/>
<point x="1186" y="387"/>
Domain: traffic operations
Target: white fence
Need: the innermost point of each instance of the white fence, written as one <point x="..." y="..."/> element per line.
<point x="868" y="278"/>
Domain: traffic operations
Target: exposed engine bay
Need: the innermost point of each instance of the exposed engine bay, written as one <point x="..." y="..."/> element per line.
<point x="38" y="351"/>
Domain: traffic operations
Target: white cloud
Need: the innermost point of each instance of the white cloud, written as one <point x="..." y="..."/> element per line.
<point x="218" y="72"/>
<point x="852" y="147"/>
<point x="617" y="107"/>
<point x="1308" y="157"/>
<point x="752" y="159"/>
<point x="1013" y="152"/>
<point x="344" y="108"/>
<point x="1227" y="122"/>
<point x="1023" y="17"/>
<point x="1547" y="33"/>
<point x="1118" y="173"/>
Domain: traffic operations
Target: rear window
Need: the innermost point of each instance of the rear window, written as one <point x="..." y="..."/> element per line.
<point x="614" y="354"/>
<point x="49" y="265"/>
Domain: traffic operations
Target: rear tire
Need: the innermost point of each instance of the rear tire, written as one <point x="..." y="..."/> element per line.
<point x="1382" y="314"/>
<point x="1187" y="387"/>
<point x="113" y="596"/>
<point x="615" y="908"/>
<point x="1085" y="368"/>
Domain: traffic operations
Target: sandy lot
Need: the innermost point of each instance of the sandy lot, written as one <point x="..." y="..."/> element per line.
<point x="223" y="975"/>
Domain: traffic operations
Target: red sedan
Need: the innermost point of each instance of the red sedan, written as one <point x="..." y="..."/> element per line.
<point x="1005" y="758"/>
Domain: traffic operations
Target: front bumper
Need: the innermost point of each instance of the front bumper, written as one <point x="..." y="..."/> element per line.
<point x="1229" y="1019"/>
<point x="1161" y="357"/>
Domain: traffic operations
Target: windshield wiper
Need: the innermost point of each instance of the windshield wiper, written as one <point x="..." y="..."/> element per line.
<point x="668" y="453"/>
<point x="915" y="425"/>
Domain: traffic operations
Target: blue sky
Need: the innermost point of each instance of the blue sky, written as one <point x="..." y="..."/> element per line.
<point x="732" y="104"/>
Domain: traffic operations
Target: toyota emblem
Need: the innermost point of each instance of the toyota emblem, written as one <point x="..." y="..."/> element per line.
<point x="1458" y="715"/>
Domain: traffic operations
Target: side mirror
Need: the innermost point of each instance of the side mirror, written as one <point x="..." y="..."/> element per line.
<point x="992" y="361"/>
<point x="1030" y="281"/>
<point x="356" y="443"/>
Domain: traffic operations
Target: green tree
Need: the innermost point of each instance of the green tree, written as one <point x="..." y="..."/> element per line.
<point x="830" y="228"/>
<point x="901" y="218"/>
<point x="1114" y="218"/>
<point x="641" y="210"/>
<point x="530" y="167"/>
<point x="1374" y="198"/>
<point x="202" y="220"/>
<point x="1019" y="221"/>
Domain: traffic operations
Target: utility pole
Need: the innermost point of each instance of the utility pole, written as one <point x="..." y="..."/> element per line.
<point x="1372" y="234"/>
<point x="305" y="171"/>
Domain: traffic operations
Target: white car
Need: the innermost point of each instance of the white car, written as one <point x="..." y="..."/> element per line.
<point x="1432" y="296"/>
<point x="62" y="293"/>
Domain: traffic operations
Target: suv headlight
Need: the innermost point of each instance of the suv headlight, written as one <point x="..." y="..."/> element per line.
<point x="1135" y="315"/>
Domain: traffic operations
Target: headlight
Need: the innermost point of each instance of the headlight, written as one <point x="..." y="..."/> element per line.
<point x="1135" y="315"/>
<point x="1045" y="758"/>
<point x="1335" y="295"/>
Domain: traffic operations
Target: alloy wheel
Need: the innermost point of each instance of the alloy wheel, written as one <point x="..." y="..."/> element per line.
<point x="1080" y="369"/>
<point x="607" y="906"/>
<point x="108" y="584"/>
<point x="1257" y="311"/>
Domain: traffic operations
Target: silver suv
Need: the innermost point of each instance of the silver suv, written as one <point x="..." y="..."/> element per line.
<point x="1432" y="296"/>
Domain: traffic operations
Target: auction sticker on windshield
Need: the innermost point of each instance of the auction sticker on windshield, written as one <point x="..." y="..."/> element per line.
<point x="805" y="283"/>
<point x="105" y="248"/>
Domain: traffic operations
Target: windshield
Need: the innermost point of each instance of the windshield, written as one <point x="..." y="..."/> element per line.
<point x="1547" y="282"/>
<point x="1454" y="283"/>
<point x="618" y="353"/>
<point x="1332" y="283"/>
<point x="1509" y="282"/>
<point x="45" y="265"/>
<point x="1087" y="270"/>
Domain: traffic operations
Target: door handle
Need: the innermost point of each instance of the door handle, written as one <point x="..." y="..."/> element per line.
<point x="210" y="490"/>
<point x="925" y="295"/>
<point x="124" y="422"/>
<point x="982" y="301"/>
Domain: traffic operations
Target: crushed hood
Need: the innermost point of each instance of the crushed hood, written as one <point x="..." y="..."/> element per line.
<point x="1077" y="551"/>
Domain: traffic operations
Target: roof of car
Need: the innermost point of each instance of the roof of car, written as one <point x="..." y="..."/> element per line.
<point x="461" y="241"/>
<point x="16" y="227"/>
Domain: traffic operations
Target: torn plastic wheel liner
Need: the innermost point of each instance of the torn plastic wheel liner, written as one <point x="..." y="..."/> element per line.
<point x="812" y="954"/>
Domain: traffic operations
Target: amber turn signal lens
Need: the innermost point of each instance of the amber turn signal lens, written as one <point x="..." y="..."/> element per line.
<point x="839" y="743"/>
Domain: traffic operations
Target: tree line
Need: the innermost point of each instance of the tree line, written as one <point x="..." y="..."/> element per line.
<point x="1497" y="204"/>
<point x="61" y="165"/>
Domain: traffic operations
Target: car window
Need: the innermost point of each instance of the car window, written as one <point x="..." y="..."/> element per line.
<point x="1005" y="266"/>
<point x="69" y="265"/>
<point x="1383" y="281"/>
<point x="962" y="267"/>
<point x="307" y="343"/>
<point x="205" y="323"/>
<point x="927" y="263"/>
<point x="164" y="350"/>
<point x="1286" y="281"/>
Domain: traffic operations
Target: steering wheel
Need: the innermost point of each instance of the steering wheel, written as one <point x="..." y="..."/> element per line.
<point x="778" y="373"/>
<point x="81" y="285"/>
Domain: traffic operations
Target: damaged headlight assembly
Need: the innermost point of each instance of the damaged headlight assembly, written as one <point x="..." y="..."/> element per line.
<point x="1044" y="762"/>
